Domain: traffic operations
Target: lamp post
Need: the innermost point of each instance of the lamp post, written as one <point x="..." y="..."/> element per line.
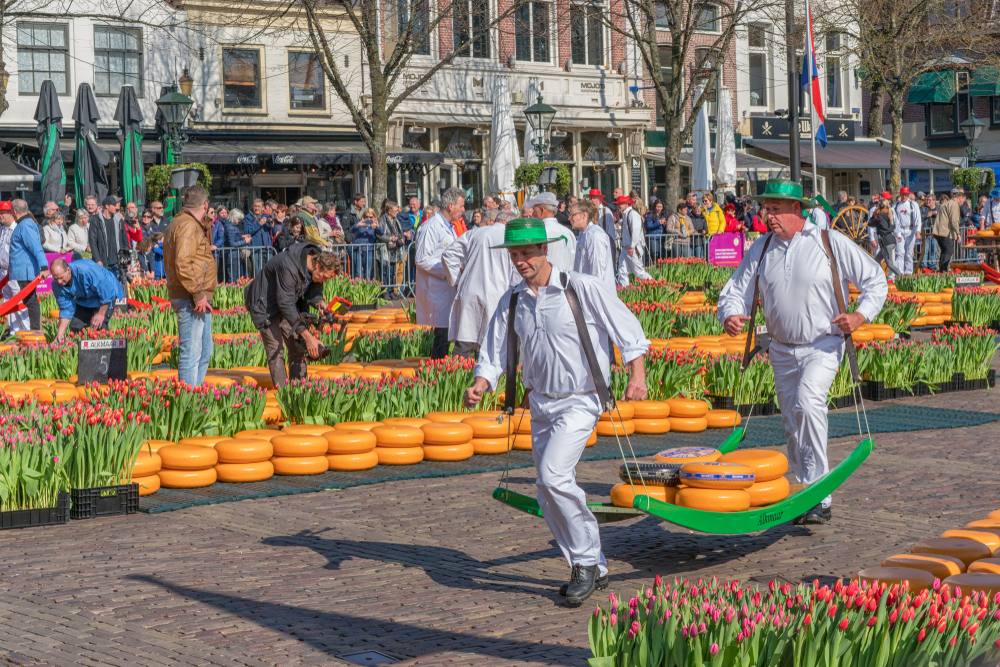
<point x="540" y="117"/>
<point x="174" y="107"/>
<point x="973" y="128"/>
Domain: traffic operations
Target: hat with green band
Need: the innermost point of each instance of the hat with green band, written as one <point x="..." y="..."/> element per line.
<point x="526" y="231"/>
<point x="782" y="188"/>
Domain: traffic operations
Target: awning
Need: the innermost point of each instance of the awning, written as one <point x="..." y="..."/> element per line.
<point x="985" y="82"/>
<point x="851" y="155"/>
<point x="748" y="167"/>
<point x="932" y="87"/>
<point x="298" y="152"/>
<point x="16" y="173"/>
<point x="150" y="149"/>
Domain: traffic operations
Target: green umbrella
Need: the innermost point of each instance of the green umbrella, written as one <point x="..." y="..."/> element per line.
<point x="129" y="117"/>
<point x="89" y="160"/>
<point x="48" y="115"/>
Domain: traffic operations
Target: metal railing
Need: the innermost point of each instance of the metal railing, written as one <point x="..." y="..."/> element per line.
<point x="231" y="264"/>
<point x="671" y="246"/>
<point x="393" y="267"/>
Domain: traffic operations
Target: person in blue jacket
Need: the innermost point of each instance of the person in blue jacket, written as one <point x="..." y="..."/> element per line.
<point x="27" y="260"/>
<point x="364" y="231"/>
<point x="234" y="238"/>
<point x="86" y="293"/>
<point x="257" y="225"/>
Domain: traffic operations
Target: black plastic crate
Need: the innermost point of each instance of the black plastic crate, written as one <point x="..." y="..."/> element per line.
<point x="46" y="516"/>
<point x="840" y="402"/>
<point x="721" y="402"/>
<point x="875" y="390"/>
<point x="105" y="501"/>
<point x="727" y="403"/>
<point x="939" y="388"/>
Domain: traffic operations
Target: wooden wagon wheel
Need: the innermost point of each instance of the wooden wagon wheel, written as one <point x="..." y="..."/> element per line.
<point x="853" y="221"/>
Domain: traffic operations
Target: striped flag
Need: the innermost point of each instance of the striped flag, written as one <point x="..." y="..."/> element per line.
<point x="810" y="80"/>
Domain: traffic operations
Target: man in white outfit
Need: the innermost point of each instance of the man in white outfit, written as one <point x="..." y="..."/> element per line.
<point x="992" y="210"/>
<point x="480" y="277"/>
<point x="906" y="215"/>
<point x="633" y="244"/>
<point x="593" y="247"/>
<point x="434" y="295"/>
<point x="804" y="321"/>
<point x="563" y="397"/>
<point x="18" y="320"/>
<point x="606" y="221"/>
<point x="561" y="255"/>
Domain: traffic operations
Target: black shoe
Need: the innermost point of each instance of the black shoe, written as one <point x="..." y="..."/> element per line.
<point x="817" y="516"/>
<point x="582" y="584"/>
<point x="601" y="584"/>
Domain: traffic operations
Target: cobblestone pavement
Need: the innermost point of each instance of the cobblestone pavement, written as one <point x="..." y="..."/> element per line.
<point x="431" y="571"/>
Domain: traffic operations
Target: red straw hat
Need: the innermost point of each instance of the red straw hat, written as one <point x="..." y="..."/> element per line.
<point x="5" y="206"/>
<point x="624" y="200"/>
<point x="594" y="192"/>
<point x="904" y="191"/>
<point x="886" y="195"/>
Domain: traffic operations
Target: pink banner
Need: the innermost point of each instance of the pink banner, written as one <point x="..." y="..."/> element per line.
<point x="46" y="285"/>
<point x="725" y="249"/>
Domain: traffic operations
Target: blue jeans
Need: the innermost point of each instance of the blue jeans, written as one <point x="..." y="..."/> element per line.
<point x="361" y="263"/>
<point x="194" y="342"/>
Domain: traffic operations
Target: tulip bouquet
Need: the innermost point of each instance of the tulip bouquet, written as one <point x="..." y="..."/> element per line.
<point x="669" y="374"/>
<point x="160" y="318"/>
<point x="690" y="271"/>
<point x="896" y="363"/>
<point x="976" y="306"/>
<point x="928" y="282"/>
<point x="371" y="345"/>
<point x="147" y="291"/>
<point x="711" y="624"/>
<point x="240" y="350"/>
<point x="47" y="303"/>
<point x="898" y="312"/>
<point x="723" y="378"/>
<point x="233" y="321"/>
<point x="843" y="382"/>
<point x="657" y="319"/>
<point x="31" y="472"/>
<point x="359" y="291"/>
<point x="55" y="361"/>
<point x="974" y="348"/>
<point x="95" y="444"/>
<point x="334" y="400"/>
<point x="697" y="323"/>
<point x="651" y="291"/>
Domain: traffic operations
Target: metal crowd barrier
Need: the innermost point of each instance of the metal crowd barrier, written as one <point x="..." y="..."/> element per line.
<point x="672" y="246"/>
<point x="231" y="264"/>
<point x="394" y="268"/>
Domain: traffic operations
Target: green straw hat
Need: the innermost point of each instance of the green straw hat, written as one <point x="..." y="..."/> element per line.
<point x="526" y="231"/>
<point x="783" y="188"/>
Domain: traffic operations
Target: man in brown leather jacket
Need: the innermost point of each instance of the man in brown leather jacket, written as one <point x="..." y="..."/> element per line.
<point x="947" y="228"/>
<point x="190" y="269"/>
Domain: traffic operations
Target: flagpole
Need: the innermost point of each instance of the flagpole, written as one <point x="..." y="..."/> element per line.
<point x="794" y="161"/>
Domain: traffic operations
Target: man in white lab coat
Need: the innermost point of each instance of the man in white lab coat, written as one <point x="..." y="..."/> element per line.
<point x="633" y="244"/>
<point x="564" y="403"/>
<point x="606" y="221"/>
<point x="480" y="276"/>
<point x="804" y="320"/>
<point x="906" y="215"/>
<point x="561" y="255"/>
<point x="434" y="295"/>
<point x="593" y="247"/>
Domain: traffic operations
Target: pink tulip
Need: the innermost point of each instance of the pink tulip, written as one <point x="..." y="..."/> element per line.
<point x="714" y="649"/>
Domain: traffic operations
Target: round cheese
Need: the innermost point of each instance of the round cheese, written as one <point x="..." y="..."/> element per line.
<point x="648" y="426"/>
<point x="983" y="523"/>
<point x="399" y="456"/>
<point x="490" y="445"/>
<point x="258" y="434"/>
<point x="146" y="463"/>
<point x="767" y="464"/>
<point x="446" y="417"/>
<point x="187" y="479"/>
<point x="612" y="429"/>
<point x="592" y="440"/>
<point x="154" y="445"/>
<point x="398" y="436"/>
<point x="521" y="442"/>
<point x="991" y="540"/>
<point x="522" y="423"/>
<point x="986" y="565"/>
<point x="623" y="412"/>
<point x="919" y="579"/>
<point x="350" y="442"/>
<point x="300" y="465"/>
<point x="147" y="485"/>
<point x="256" y="471"/>
<point x="299" y="445"/>
<point x="965" y="550"/>
<point x="204" y="440"/>
<point x="188" y="457"/>
<point x="622" y="494"/>
<point x="714" y="500"/>
<point x="450" y="433"/>
<point x="681" y="407"/>
<point x="769" y="492"/>
<point x="995" y="514"/>
<point x="716" y="475"/>
<point x="247" y="450"/>
<point x="649" y="409"/>
<point x="448" y="452"/>
<point x="360" y="461"/>
<point x="687" y="424"/>
<point x="306" y="429"/>
<point x="413" y="422"/>
<point x="723" y="418"/>
<point x="354" y="426"/>
<point x="688" y="455"/>
<point x="976" y="581"/>
<point x="939" y="565"/>
<point x="489" y="427"/>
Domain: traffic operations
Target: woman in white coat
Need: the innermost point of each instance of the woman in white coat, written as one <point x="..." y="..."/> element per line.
<point x="434" y="295"/>
<point x="54" y="236"/>
<point x="76" y="235"/>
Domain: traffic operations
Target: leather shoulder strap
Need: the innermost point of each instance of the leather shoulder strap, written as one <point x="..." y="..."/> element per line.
<point x="603" y="392"/>
<point x="752" y="334"/>
<point x="513" y="354"/>
<point x="838" y="291"/>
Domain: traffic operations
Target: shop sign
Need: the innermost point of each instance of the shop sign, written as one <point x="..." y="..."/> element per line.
<point x="284" y="159"/>
<point x="394" y="159"/>
<point x="771" y="127"/>
<point x="247" y="159"/>
<point x="410" y="189"/>
<point x="591" y="87"/>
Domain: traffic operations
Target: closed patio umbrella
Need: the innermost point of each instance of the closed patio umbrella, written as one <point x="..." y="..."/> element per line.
<point x="503" y="151"/>
<point x="701" y="158"/>
<point x="90" y="176"/>
<point x="48" y="115"/>
<point x="129" y="117"/>
<point x="725" y="143"/>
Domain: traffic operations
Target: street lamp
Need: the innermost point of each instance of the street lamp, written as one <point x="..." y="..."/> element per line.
<point x="540" y="117"/>
<point x="973" y="128"/>
<point x="174" y="107"/>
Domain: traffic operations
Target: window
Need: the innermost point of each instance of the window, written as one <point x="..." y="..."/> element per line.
<point x="470" y="23"/>
<point x="117" y="60"/>
<point x="758" y="65"/>
<point x="560" y="148"/>
<point x="587" y="34"/>
<point x="666" y="72"/>
<point x="834" y="41"/>
<point x="946" y="118"/>
<point x="598" y="147"/>
<point x="756" y="35"/>
<point x="42" y="53"/>
<point x="458" y="143"/>
<point x="241" y="79"/>
<point x="531" y="32"/>
<point x="706" y="18"/>
<point x="834" y="81"/>
<point x="412" y="14"/>
<point x="995" y="110"/>
<point x="306" y="91"/>
<point x="662" y="21"/>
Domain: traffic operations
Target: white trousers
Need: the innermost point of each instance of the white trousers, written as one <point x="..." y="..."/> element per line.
<point x="16" y="321"/>
<point x="631" y="264"/>
<point x="802" y="377"/>
<point x="560" y="428"/>
<point x="904" y="252"/>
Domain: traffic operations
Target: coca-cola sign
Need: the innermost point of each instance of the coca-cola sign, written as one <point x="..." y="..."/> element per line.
<point x="246" y="159"/>
<point x="284" y="159"/>
<point x="394" y="159"/>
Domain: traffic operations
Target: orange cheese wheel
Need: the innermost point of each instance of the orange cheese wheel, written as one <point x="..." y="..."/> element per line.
<point x="187" y="457"/>
<point x="187" y="479"/>
<point x="622" y="494"/>
<point x="257" y="434"/>
<point x="344" y="443"/>
<point x="306" y="429"/>
<point x="716" y="475"/>
<point x="615" y="428"/>
<point x="361" y="461"/>
<point x="649" y="409"/>
<point x="300" y="465"/>
<point x="522" y="423"/>
<point x="767" y="464"/>
<point x="245" y="450"/>
<point x="651" y="426"/>
<point x="623" y="412"/>
<point x="919" y="579"/>
<point x="521" y="442"/>
<point x="490" y="445"/>
<point x="723" y="418"/>
<point x="592" y="440"/>
<point x="415" y="422"/>
<point x="449" y="452"/>
<point x="983" y="523"/>
<point x="939" y="565"/>
<point x="714" y="500"/>
<point x="489" y="427"/>
<point x="965" y="550"/>
<point x="56" y="394"/>
<point x="299" y="446"/>
<point x="154" y="445"/>
<point x="768" y="493"/>
<point x="446" y="433"/>
<point x="256" y="471"/>
<point x="399" y="456"/>
<point x="991" y="540"/>
<point x="986" y="565"/>
<point x="147" y="485"/>
<point x="479" y="414"/>
<point x="204" y="440"/>
<point x="398" y="436"/>
<point x="146" y="464"/>
<point x="687" y="424"/>
<point x="976" y="581"/>
<point x="995" y="514"/>
<point x="354" y="426"/>
<point x="446" y="417"/>
<point x="688" y="455"/>
<point x="681" y="407"/>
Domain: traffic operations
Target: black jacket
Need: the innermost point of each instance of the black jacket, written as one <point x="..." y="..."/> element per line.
<point x="283" y="289"/>
<point x="106" y="239"/>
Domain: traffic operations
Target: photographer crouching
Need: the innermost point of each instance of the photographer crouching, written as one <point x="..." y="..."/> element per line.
<point x="277" y="298"/>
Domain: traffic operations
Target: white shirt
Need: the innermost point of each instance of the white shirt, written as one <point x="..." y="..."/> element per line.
<point x="906" y="216"/>
<point x="632" y="236"/>
<point x="796" y="285"/>
<point x="606" y="221"/>
<point x="553" y="362"/>
<point x="5" y="234"/>
<point x="433" y="293"/>
<point x="481" y="275"/>
<point x="593" y="255"/>
<point x="560" y="254"/>
<point x="819" y="218"/>
<point x="993" y="214"/>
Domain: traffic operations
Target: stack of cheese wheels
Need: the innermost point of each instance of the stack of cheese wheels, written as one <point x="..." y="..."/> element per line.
<point x="144" y="470"/>
<point x="354" y="426"/>
<point x="966" y="550"/>
<point x="415" y="422"/>
<point x="446" y="417"/>
<point x="187" y="466"/>
<point x="769" y="468"/>
<point x="522" y="430"/>
<point x="713" y="486"/>
<point x="257" y="434"/>
<point x="398" y="445"/>
<point x="618" y="422"/>
<point x="919" y="579"/>
<point x="154" y="445"/>
<point x="245" y="460"/>
<point x="687" y="416"/>
<point x="447" y="441"/>
<point x="490" y="435"/>
<point x="990" y="539"/>
<point x="352" y="449"/>
<point x="684" y="455"/>
<point x="976" y="581"/>
<point x="300" y="449"/>
<point x="650" y="417"/>
<point x="937" y="565"/>
<point x="623" y="494"/>
<point x="204" y="440"/>
<point x="723" y="418"/>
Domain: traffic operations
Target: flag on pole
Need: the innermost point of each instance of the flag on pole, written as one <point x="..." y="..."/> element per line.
<point x="811" y="82"/>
